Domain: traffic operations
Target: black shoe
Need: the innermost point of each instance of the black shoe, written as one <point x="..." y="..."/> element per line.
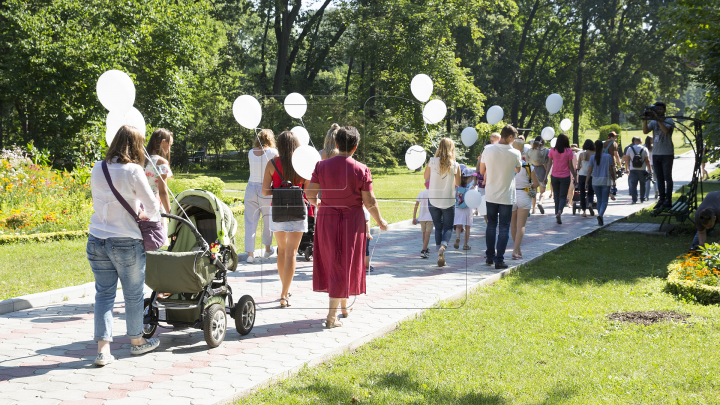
<point x="633" y="202"/>
<point x="600" y="221"/>
<point x="424" y="254"/>
<point x="592" y="213"/>
<point x="500" y="266"/>
<point x="659" y="204"/>
<point x="489" y="261"/>
<point x="540" y="207"/>
<point x="558" y="220"/>
<point x="667" y="203"/>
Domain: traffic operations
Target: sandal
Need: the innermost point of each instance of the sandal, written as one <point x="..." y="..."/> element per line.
<point x="441" y="257"/>
<point x="466" y="247"/>
<point x="457" y="243"/>
<point x="346" y="313"/>
<point x="286" y="304"/>
<point x="516" y="257"/>
<point x="332" y="322"/>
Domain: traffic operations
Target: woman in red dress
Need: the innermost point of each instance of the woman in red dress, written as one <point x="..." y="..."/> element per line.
<point x="340" y="238"/>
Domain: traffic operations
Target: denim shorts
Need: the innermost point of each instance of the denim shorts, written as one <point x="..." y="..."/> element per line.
<point x="290" y="226"/>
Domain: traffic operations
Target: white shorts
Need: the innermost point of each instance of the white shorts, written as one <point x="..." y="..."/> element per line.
<point x="522" y="201"/>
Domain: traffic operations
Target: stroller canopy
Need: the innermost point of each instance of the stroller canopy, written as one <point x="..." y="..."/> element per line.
<point x="194" y="201"/>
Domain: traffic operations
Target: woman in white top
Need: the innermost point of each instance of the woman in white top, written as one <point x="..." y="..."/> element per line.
<point x="525" y="181"/>
<point x="586" y="197"/>
<point x="115" y="247"/>
<point x="255" y="203"/>
<point x="444" y="175"/>
<point x="157" y="169"/>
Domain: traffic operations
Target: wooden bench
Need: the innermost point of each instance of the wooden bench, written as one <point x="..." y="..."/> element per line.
<point x="682" y="207"/>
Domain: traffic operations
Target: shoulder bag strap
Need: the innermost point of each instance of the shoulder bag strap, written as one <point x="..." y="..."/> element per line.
<point x="282" y="179"/>
<point x="117" y="194"/>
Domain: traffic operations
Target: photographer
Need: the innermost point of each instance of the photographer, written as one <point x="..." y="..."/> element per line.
<point x="663" y="149"/>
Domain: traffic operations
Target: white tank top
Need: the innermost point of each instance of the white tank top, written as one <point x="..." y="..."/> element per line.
<point x="258" y="164"/>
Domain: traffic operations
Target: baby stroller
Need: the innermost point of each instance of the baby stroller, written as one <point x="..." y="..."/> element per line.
<point x="195" y="272"/>
<point x="306" y="243"/>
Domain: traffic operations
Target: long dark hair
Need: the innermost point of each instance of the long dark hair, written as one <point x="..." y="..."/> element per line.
<point x="588" y="146"/>
<point x="287" y="142"/>
<point x="153" y="146"/>
<point x="598" y="151"/>
<point x="562" y="143"/>
<point x="649" y="143"/>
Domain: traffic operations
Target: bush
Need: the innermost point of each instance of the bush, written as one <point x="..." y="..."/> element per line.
<point x="604" y="131"/>
<point x="42" y="237"/>
<point x="697" y="275"/>
<point x="211" y="184"/>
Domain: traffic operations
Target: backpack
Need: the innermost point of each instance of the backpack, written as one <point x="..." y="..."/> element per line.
<point x="288" y="203"/>
<point x="637" y="160"/>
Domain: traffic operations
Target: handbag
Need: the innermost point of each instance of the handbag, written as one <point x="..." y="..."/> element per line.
<point x="153" y="232"/>
<point x="288" y="203"/>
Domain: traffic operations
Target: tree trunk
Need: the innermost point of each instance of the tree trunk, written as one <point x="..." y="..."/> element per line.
<point x="263" y="75"/>
<point x="615" y="109"/>
<point x="577" y="107"/>
<point x="347" y="79"/>
<point x="283" y="28"/>
<point x="514" y="111"/>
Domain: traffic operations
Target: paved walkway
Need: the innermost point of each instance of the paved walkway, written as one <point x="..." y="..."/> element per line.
<point x="46" y="353"/>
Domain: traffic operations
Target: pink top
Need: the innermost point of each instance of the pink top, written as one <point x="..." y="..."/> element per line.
<point x="560" y="162"/>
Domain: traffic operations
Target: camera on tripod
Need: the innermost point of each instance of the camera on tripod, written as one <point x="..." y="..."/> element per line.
<point x="648" y="113"/>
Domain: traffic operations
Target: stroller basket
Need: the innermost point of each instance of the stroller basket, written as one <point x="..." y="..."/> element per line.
<point x="181" y="272"/>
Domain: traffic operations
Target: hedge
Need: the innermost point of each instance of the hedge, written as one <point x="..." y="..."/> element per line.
<point x="676" y="284"/>
<point x="42" y="237"/>
<point x="211" y="184"/>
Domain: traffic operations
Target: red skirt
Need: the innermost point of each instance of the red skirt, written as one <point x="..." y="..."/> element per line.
<point x="339" y="251"/>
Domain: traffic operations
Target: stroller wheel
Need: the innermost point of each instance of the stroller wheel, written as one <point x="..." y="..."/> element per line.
<point x="245" y="315"/>
<point x="215" y="325"/>
<point x="150" y="314"/>
<point x="308" y="253"/>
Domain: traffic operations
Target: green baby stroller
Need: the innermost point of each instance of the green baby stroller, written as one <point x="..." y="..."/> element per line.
<point x="194" y="271"/>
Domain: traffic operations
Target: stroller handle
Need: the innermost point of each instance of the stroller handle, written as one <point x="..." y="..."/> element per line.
<point x="201" y="242"/>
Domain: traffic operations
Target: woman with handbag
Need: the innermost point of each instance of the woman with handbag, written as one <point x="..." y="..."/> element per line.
<point x="602" y="171"/>
<point x="526" y="184"/>
<point x="288" y="215"/>
<point x="340" y="234"/>
<point x="117" y="244"/>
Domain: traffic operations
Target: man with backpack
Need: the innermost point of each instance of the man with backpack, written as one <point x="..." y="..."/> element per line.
<point x="637" y="163"/>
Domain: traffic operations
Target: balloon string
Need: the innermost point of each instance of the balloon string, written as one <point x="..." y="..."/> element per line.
<point x="311" y="142"/>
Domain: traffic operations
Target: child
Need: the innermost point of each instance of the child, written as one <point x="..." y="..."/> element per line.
<point x="480" y="185"/>
<point x="426" y="224"/>
<point x="463" y="213"/>
<point x="368" y="267"/>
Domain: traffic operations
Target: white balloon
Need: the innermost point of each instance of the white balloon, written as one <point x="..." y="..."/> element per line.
<point x="554" y="103"/>
<point x="415" y="157"/>
<point x="247" y="111"/>
<point x="434" y="111"/>
<point x="115" y="120"/>
<point x="302" y="135"/>
<point x="468" y="136"/>
<point x="565" y="124"/>
<point x="553" y="142"/>
<point x="304" y="160"/>
<point x="421" y="87"/>
<point x="473" y="198"/>
<point x="547" y="133"/>
<point x="495" y="114"/>
<point x="116" y="91"/>
<point x="295" y="105"/>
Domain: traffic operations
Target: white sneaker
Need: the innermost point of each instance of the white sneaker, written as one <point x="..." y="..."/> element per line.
<point x="103" y="359"/>
<point x="267" y="254"/>
<point x="250" y="260"/>
<point x="150" y="345"/>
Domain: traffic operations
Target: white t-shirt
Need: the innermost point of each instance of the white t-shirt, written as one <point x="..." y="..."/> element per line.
<point x="423" y="212"/>
<point x="630" y="152"/>
<point x="258" y="163"/>
<point x="442" y="186"/>
<point x="367" y="214"/>
<point x="500" y="163"/>
<point x="522" y="180"/>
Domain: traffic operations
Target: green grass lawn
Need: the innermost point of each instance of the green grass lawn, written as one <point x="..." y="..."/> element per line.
<point x="539" y="336"/>
<point x="644" y="215"/>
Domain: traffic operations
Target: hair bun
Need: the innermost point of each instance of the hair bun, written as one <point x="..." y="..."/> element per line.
<point x="334" y="126"/>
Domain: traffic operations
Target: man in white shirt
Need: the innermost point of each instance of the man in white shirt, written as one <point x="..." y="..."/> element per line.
<point x="636" y="168"/>
<point x="499" y="165"/>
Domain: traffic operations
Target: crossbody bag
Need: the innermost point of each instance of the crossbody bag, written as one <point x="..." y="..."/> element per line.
<point x="288" y="203"/>
<point x="153" y="232"/>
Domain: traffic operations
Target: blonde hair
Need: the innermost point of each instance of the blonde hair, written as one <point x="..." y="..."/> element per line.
<point x="329" y="147"/>
<point x="446" y="153"/>
<point x="519" y="144"/>
<point x="265" y="139"/>
<point x="495" y="137"/>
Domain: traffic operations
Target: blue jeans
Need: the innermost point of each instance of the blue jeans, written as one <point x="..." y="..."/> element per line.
<point x="635" y="177"/>
<point x="112" y="259"/>
<point x="560" y="187"/>
<point x="504" y="212"/>
<point x="603" y="194"/>
<point x="443" y="219"/>
<point x="662" y="165"/>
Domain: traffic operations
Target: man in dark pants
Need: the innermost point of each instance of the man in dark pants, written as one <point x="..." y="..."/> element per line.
<point x="663" y="152"/>
<point x="705" y="218"/>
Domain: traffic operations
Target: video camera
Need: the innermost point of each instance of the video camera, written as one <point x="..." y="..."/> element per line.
<point x="648" y="112"/>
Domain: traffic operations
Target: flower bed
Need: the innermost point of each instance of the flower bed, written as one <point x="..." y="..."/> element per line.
<point x="697" y="275"/>
<point x="34" y="198"/>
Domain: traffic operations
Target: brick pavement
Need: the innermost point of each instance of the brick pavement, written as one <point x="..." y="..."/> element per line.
<point x="46" y="353"/>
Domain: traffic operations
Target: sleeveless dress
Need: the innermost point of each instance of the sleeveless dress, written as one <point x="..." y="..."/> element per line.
<point x="340" y="238"/>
